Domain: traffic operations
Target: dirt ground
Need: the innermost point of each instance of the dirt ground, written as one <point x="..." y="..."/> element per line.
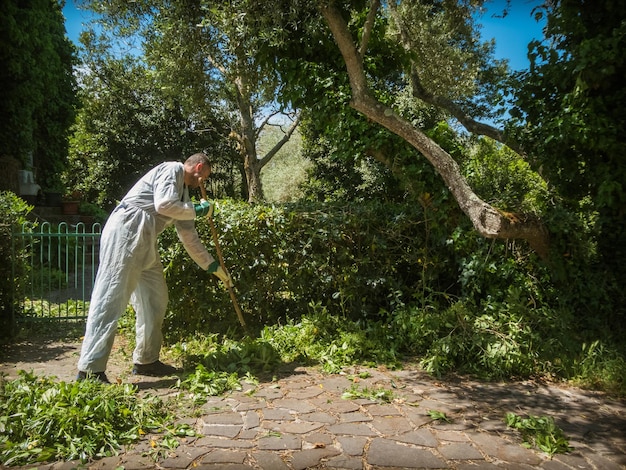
<point x="56" y="354"/>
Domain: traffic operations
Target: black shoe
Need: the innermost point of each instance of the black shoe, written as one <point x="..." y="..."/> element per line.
<point x="98" y="376"/>
<point x="155" y="369"/>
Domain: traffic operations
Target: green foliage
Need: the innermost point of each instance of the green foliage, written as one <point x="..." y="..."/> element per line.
<point x="371" y="283"/>
<point x="221" y="354"/>
<point x="503" y="179"/>
<point x="129" y="123"/>
<point x="378" y="394"/>
<point x="42" y="419"/>
<point x="351" y="259"/>
<point x="540" y="432"/>
<point x="37" y="99"/>
<point x="334" y="342"/>
<point x="13" y="274"/>
<point x="572" y="99"/>
<point x="204" y="383"/>
<point x="600" y="366"/>
<point x="440" y="416"/>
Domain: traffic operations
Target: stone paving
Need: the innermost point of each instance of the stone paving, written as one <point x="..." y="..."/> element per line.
<point x="301" y="421"/>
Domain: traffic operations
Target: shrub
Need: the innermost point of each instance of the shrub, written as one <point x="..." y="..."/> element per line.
<point x="13" y="212"/>
<point x="354" y="260"/>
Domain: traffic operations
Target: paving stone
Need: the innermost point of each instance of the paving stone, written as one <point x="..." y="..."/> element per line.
<point x="251" y="420"/>
<point x="311" y="457"/>
<point x="224" y="456"/>
<point x="383" y="410"/>
<point x="269" y="461"/>
<point x="319" y="417"/>
<point x="134" y="462"/>
<point x="351" y="429"/>
<point x="573" y="460"/>
<point x="249" y="433"/>
<point x="222" y="466"/>
<point x="421" y="437"/>
<point x="302" y="394"/>
<point x="215" y="405"/>
<point x="495" y="425"/>
<point x="607" y="462"/>
<point x="317" y="438"/>
<point x="460" y="451"/>
<point x="336" y="405"/>
<point x="222" y="418"/>
<point x="418" y="416"/>
<point x="499" y="448"/>
<point x="290" y="383"/>
<point x="251" y="405"/>
<point x="215" y="442"/>
<point x="556" y="465"/>
<point x="301" y="427"/>
<point x="70" y="465"/>
<point x="335" y="384"/>
<point x="224" y="430"/>
<point x="277" y="414"/>
<point x="444" y="396"/>
<point x="391" y="425"/>
<point x="388" y="453"/>
<point x="300" y="406"/>
<point x="352" y="445"/>
<point x="174" y="462"/>
<point x="480" y="465"/>
<point x="104" y="463"/>
<point x="354" y="417"/>
<point x="269" y="393"/>
<point x="345" y="462"/>
<point x="280" y="443"/>
<point x="448" y="435"/>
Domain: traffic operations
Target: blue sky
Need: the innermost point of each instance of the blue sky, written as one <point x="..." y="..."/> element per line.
<point x="512" y="33"/>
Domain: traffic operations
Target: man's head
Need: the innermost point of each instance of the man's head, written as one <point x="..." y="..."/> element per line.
<point x="197" y="169"/>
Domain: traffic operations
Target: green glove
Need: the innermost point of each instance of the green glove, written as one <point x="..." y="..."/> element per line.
<point x="215" y="268"/>
<point x="204" y="208"/>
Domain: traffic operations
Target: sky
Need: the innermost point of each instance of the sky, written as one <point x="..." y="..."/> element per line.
<point x="512" y="33"/>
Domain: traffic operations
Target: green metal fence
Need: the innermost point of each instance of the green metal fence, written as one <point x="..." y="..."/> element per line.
<point x="61" y="263"/>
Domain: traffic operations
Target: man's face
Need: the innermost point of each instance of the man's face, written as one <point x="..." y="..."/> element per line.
<point x="201" y="173"/>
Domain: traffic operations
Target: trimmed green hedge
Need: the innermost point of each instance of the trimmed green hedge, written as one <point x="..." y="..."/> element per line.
<point x="355" y="259"/>
<point x="360" y="261"/>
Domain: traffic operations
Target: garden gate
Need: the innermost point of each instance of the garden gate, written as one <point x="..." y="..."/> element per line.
<point x="58" y="264"/>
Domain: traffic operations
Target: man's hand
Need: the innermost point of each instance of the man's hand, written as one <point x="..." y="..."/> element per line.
<point x="205" y="208"/>
<point x="224" y="277"/>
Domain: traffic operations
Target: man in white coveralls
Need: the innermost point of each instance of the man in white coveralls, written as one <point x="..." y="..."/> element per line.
<point x="131" y="270"/>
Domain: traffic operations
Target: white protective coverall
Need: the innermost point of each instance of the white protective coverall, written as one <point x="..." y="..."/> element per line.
<point x="130" y="266"/>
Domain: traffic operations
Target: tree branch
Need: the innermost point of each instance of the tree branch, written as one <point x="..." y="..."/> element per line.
<point x="274" y="150"/>
<point x="368" y="26"/>
<point x="487" y="220"/>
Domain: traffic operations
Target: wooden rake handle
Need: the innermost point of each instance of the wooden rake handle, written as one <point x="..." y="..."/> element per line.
<point x="220" y="257"/>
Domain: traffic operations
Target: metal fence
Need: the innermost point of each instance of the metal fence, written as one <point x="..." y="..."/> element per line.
<point x="60" y="264"/>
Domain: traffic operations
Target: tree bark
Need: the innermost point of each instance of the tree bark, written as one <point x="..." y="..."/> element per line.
<point x="486" y="219"/>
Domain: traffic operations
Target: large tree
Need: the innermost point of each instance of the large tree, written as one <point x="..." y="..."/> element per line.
<point x="394" y="54"/>
<point x="38" y="94"/>
<point x="130" y="122"/>
<point x="208" y="52"/>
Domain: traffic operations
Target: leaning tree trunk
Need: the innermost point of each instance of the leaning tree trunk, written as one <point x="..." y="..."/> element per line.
<point x="486" y="219"/>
